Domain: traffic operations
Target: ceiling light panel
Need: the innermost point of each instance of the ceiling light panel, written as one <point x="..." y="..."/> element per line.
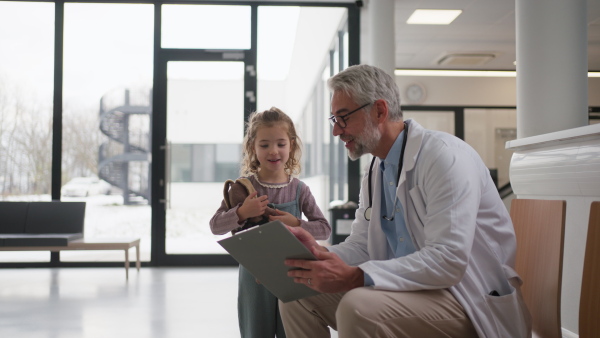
<point x="464" y="73"/>
<point x="433" y="16"/>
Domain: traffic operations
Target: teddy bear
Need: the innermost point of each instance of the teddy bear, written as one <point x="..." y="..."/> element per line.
<point x="235" y="192"/>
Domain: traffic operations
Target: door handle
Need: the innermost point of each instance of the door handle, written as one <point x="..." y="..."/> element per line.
<point x="167" y="180"/>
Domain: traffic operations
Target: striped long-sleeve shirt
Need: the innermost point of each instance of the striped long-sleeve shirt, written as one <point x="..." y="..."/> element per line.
<point x="225" y="220"/>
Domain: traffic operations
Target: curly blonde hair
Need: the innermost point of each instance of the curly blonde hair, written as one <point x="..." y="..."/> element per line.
<point x="269" y="118"/>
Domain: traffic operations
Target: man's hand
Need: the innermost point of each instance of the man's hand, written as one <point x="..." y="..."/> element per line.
<point x="305" y="238"/>
<point x="285" y="218"/>
<point x="253" y="206"/>
<point x="328" y="274"/>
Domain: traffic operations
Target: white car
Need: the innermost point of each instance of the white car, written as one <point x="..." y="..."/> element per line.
<point x="86" y="186"/>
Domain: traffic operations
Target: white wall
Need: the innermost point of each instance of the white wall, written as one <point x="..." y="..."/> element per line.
<point x="475" y="91"/>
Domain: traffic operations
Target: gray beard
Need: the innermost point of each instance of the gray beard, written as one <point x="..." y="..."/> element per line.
<point x="366" y="142"/>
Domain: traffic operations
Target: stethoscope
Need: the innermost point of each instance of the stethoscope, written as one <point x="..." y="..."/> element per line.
<point x="400" y="163"/>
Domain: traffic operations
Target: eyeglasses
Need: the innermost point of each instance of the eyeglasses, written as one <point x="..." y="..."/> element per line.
<point x="341" y="119"/>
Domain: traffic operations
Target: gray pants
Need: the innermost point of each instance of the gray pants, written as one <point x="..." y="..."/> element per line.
<point x="366" y="312"/>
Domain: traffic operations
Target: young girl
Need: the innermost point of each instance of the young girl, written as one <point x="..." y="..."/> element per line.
<point x="271" y="158"/>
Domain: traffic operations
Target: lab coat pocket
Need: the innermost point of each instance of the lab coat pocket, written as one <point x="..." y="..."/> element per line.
<point x="505" y="309"/>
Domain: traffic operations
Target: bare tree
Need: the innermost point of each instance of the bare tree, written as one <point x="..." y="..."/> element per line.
<point x="81" y="140"/>
<point x="35" y="143"/>
<point x="25" y="144"/>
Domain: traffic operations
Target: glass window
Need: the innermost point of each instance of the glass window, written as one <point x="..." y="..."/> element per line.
<point x="26" y="99"/>
<point x="293" y="65"/>
<point x="488" y="130"/>
<point x="205" y="121"/>
<point x="434" y="120"/>
<point x="205" y="27"/>
<point x="26" y="90"/>
<point x="108" y="63"/>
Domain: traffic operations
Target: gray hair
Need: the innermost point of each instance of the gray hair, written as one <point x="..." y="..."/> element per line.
<point x="366" y="84"/>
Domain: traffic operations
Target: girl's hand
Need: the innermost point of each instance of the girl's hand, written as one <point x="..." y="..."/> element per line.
<point x="253" y="206"/>
<point x="285" y="218"/>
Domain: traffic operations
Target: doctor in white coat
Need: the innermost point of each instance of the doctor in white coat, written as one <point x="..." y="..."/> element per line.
<point x="432" y="248"/>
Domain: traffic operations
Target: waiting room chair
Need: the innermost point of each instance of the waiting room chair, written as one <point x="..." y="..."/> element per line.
<point x="589" y="304"/>
<point x="539" y="228"/>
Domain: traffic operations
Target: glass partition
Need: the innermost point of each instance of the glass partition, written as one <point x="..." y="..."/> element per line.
<point x="107" y="109"/>
<point x="26" y="98"/>
<point x="107" y="95"/>
<point x="434" y="120"/>
<point x="488" y="130"/>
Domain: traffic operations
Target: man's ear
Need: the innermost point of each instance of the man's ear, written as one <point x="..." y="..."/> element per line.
<point x="381" y="110"/>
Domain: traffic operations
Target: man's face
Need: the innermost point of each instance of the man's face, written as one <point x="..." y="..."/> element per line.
<point x="361" y="134"/>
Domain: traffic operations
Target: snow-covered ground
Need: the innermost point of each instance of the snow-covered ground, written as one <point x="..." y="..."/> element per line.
<point x="188" y="231"/>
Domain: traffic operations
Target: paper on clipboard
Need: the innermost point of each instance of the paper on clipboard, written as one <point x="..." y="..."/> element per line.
<point x="262" y="251"/>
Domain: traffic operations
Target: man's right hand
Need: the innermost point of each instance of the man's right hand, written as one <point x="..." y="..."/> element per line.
<point x="305" y="238"/>
<point x="328" y="273"/>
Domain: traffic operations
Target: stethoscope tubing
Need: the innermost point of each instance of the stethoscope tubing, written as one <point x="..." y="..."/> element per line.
<point x="367" y="213"/>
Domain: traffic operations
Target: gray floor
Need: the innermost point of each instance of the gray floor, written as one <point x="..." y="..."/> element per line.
<point x="99" y="302"/>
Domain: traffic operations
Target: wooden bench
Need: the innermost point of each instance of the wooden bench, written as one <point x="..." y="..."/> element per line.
<point x="90" y="244"/>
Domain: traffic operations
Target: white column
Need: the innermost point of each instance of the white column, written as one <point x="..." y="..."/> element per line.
<point x="382" y="44"/>
<point x="552" y="69"/>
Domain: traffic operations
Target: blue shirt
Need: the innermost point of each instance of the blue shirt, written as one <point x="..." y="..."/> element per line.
<point x="399" y="240"/>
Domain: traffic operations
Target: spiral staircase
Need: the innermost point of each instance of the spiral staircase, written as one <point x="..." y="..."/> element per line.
<point x="124" y="159"/>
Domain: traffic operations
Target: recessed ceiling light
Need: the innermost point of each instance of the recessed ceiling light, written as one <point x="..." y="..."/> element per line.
<point x="433" y="16"/>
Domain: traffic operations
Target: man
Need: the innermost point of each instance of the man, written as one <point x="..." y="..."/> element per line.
<point x="432" y="248"/>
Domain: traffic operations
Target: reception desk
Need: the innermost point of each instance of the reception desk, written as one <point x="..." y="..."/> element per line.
<point x="563" y="165"/>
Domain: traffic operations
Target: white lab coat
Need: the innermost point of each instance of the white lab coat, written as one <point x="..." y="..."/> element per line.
<point x="462" y="231"/>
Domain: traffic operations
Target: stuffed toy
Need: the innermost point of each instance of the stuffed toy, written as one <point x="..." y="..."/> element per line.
<point x="235" y="192"/>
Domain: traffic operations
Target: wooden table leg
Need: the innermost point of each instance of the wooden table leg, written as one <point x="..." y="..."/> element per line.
<point x="137" y="256"/>
<point x="127" y="264"/>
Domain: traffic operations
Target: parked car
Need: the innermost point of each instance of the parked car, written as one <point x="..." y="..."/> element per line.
<point x="86" y="186"/>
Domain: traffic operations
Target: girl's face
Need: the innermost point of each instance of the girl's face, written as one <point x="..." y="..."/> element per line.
<point x="272" y="147"/>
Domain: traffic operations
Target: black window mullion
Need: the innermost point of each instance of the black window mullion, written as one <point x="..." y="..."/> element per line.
<point x="159" y="135"/>
<point x="459" y="123"/>
<point x="59" y="10"/>
<point x="250" y="69"/>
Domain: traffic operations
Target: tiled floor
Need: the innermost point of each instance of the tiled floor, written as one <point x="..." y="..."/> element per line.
<point x="100" y="303"/>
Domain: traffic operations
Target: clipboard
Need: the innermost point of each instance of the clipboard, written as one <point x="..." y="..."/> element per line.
<point x="262" y="251"/>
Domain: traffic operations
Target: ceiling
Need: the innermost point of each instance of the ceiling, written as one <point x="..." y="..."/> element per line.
<point x="485" y="27"/>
